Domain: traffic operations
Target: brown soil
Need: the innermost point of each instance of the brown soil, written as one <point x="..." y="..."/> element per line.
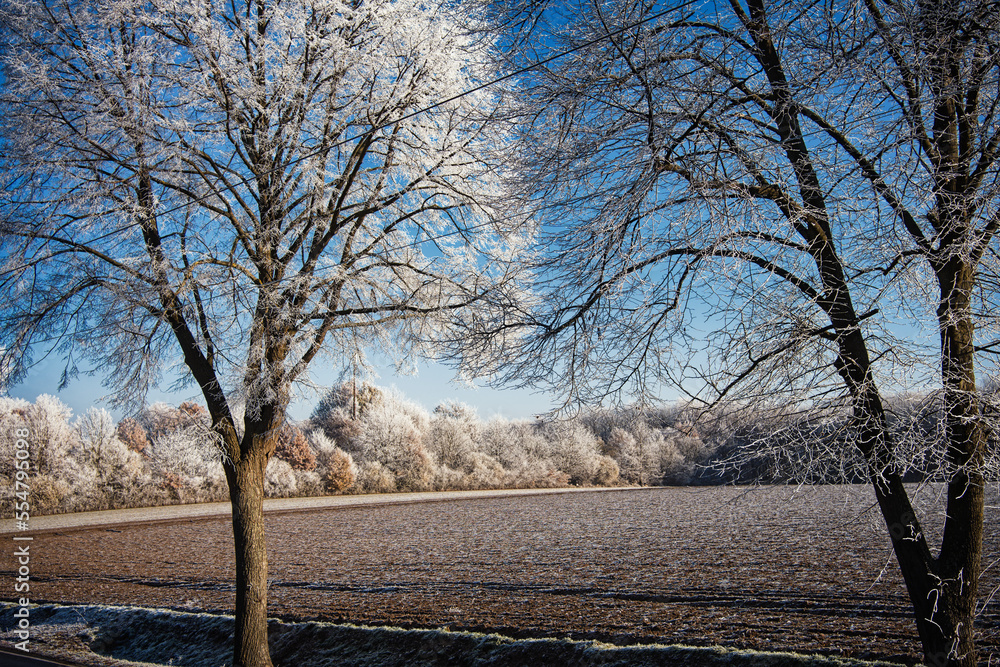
<point x="770" y="569"/>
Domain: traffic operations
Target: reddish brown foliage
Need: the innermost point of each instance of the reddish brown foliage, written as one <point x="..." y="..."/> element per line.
<point x="132" y="434"/>
<point x="294" y="448"/>
<point x="194" y="410"/>
<point x="340" y="475"/>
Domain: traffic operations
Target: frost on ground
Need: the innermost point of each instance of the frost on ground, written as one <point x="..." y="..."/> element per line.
<point x="135" y="637"/>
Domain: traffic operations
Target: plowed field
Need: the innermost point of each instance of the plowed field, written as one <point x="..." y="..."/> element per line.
<point x="805" y="570"/>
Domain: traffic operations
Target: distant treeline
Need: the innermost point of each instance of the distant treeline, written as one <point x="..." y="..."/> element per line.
<point x="363" y="439"/>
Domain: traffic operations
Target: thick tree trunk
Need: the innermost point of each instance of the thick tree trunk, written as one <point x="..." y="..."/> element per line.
<point x="246" y="490"/>
<point x="942" y="589"/>
<point x="943" y="600"/>
<point x="957" y="567"/>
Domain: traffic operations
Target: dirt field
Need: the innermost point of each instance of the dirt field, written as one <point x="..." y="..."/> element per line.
<point x="770" y="569"/>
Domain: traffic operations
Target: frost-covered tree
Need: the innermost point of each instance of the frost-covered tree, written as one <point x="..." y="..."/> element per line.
<point x="118" y="469"/>
<point x="132" y="433"/>
<point x="339" y="411"/>
<point x="293" y="447"/>
<point x="392" y="434"/>
<point x="240" y="187"/>
<point x="160" y="418"/>
<point x="57" y="479"/>
<point x="574" y="450"/>
<point x="782" y="205"/>
<point x="188" y="462"/>
<point x="452" y="435"/>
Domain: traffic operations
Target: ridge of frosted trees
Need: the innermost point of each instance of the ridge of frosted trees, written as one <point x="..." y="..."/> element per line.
<point x="164" y="455"/>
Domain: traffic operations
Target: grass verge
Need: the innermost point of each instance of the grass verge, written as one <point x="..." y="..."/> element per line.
<point x="109" y="636"/>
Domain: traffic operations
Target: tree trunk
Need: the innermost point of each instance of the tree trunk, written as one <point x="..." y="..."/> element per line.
<point x="956" y="570"/>
<point x="246" y="492"/>
<point x="943" y="604"/>
<point x="942" y="590"/>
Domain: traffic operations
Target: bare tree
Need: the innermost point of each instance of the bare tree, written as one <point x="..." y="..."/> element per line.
<point x="783" y="205"/>
<point x="242" y="186"/>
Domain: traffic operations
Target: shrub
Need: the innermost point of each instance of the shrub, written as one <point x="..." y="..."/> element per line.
<point x="413" y="466"/>
<point x="279" y="479"/>
<point x="608" y="473"/>
<point x="187" y="463"/>
<point x="486" y="472"/>
<point x="336" y="467"/>
<point x="309" y="483"/>
<point x="373" y="477"/>
<point x="673" y="467"/>
<point x="447" y="479"/>
<point x="293" y="448"/>
<point x="160" y="419"/>
<point x="13" y="415"/>
<point x="548" y="478"/>
<point x="50" y="495"/>
<point x="194" y="412"/>
<point x="64" y="478"/>
<point x="119" y="472"/>
<point x="450" y="439"/>
<point x="341" y="473"/>
<point x="574" y="450"/>
<point x="50" y="435"/>
<point x="392" y="435"/>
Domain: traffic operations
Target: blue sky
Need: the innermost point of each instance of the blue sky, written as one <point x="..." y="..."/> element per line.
<point x="432" y="384"/>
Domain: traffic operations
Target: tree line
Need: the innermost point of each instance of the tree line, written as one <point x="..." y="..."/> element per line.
<point x="365" y="439"/>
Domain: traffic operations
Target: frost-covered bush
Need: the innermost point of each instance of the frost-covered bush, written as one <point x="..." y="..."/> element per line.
<point x="392" y="435"/>
<point x="674" y="468"/>
<point x="13" y="416"/>
<point x="373" y="477"/>
<point x="293" y="448"/>
<point x="49" y="433"/>
<point x="364" y="440"/>
<point x="574" y="450"/>
<point x="413" y="466"/>
<point x="645" y="456"/>
<point x="448" y="479"/>
<point x="60" y="480"/>
<point x="502" y="440"/>
<point x="335" y="467"/>
<point x="160" y="419"/>
<point x="50" y="495"/>
<point x="543" y="477"/>
<point x="621" y="446"/>
<point x="279" y="479"/>
<point x="120" y="477"/>
<point x="187" y="463"/>
<point x="485" y="472"/>
<point x="309" y="483"/>
<point x="608" y="473"/>
<point x="132" y="434"/>
<point x="384" y="433"/>
<point x="452" y="436"/>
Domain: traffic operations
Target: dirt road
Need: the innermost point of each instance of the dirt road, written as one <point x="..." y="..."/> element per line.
<point x="167" y="513"/>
